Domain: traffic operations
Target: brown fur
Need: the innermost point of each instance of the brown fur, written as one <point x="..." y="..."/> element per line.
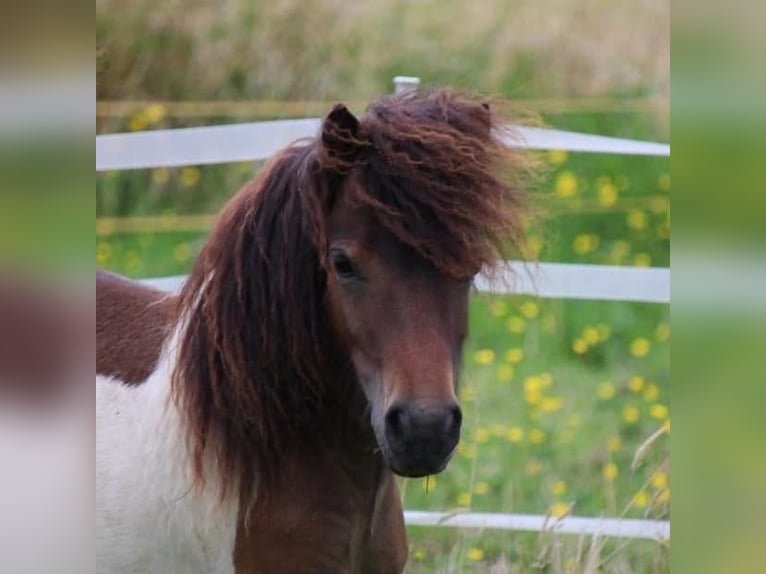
<point x="132" y="322"/>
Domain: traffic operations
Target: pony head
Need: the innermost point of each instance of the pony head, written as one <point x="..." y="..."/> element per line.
<point x="352" y="253"/>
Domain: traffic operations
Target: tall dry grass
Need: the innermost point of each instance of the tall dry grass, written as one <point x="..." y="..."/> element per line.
<point x="324" y="49"/>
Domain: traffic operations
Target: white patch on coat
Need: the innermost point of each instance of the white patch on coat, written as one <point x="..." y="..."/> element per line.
<point x="148" y="519"/>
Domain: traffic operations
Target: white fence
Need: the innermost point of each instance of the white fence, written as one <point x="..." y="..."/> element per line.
<point x="257" y="141"/>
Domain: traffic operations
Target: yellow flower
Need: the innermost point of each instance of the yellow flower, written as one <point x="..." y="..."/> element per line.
<point x="558" y="488"/>
<point x="529" y="309"/>
<point x="533" y="467"/>
<point x="666" y="426"/>
<point x="614" y="444"/>
<point x="590" y="334"/>
<point x="481" y="435"/>
<point x="636" y="384"/>
<point x="464" y="499"/>
<point x="607" y="194"/>
<point x="640" y="347"/>
<point x="190" y="176"/>
<point x="662" y="332"/>
<point x="467" y="394"/>
<point x="580" y="346"/>
<point x="663" y="182"/>
<point x="641" y="499"/>
<point x="603" y="331"/>
<point x="515" y="434"/>
<point x="475" y="554"/>
<point x="498" y="308"/>
<point x="516" y="325"/>
<point x="160" y="176"/>
<point x="637" y="219"/>
<point x="505" y="373"/>
<point x="659" y="480"/>
<point x="533" y="397"/>
<point x="154" y="113"/>
<point x="481" y="488"/>
<point x="642" y="260"/>
<point x="536" y="436"/>
<point x="419" y="554"/>
<point x="659" y="412"/>
<point x="630" y="414"/>
<point x="533" y="384"/>
<point x="551" y="404"/>
<point x="182" y="253"/>
<point x="611" y="471"/>
<point x="138" y="122"/>
<point x="514" y="355"/>
<point x="651" y="393"/>
<point x="557" y="156"/>
<point x="585" y="243"/>
<point x="103" y="254"/>
<point x="484" y="356"/>
<point x="559" y="509"/>
<point x="566" y="184"/>
<point x="605" y="390"/>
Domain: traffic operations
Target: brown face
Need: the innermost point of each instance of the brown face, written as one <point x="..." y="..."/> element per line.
<point x="404" y="323"/>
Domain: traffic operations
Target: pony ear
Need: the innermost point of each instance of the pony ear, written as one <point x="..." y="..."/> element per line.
<point x="341" y="135"/>
<point x="485" y="114"/>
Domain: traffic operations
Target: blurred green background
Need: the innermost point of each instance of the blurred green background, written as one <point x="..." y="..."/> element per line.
<point x="557" y="395"/>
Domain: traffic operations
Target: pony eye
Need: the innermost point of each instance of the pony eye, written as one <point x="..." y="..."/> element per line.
<point x="342" y="265"/>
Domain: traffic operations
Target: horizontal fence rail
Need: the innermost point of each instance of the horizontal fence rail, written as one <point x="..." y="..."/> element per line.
<point x="610" y="527"/>
<point x="550" y="280"/>
<point x="260" y="140"/>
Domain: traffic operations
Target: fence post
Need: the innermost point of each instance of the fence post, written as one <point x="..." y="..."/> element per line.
<point x="403" y="84"/>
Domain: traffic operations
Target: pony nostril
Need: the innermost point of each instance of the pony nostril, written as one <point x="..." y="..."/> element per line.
<point x="454" y="419"/>
<point x="397" y="421"/>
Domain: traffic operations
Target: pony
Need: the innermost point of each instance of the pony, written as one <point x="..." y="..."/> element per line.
<point x="255" y="422"/>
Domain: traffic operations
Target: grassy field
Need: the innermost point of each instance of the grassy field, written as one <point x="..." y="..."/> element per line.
<point x="557" y="395"/>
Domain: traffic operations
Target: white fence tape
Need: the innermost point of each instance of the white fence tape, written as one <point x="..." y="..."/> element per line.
<point x="552" y="281"/>
<point x="260" y="140"/>
<point x="611" y="527"/>
<point x="579" y="281"/>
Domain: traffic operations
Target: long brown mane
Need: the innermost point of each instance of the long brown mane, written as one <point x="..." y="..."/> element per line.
<point x="257" y="358"/>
